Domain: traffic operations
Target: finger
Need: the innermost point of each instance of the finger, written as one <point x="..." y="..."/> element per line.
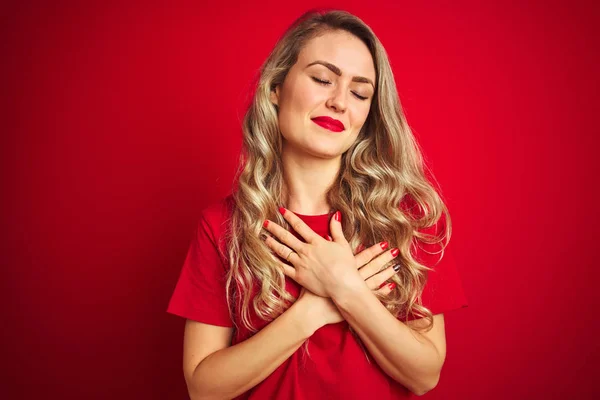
<point x="335" y="225"/>
<point x="329" y="238"/>
<point x="287" y="270"/>
<point x="283" y="235"/>
<point x="367" y="255"/>
<point x="386" y="289"/>
<point x="299" y="226"/>
<point x="280" y="249"/>
<point x="375" y="265"/>
<point x="378" y="279"/>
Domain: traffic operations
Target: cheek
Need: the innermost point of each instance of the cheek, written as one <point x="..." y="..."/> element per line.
<point x="366" y="109"/>
<point x="361" y="115"/>
<point x="296" y="105"/>
<point x="301" y="98"/>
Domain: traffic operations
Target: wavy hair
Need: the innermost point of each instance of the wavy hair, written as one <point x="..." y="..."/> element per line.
<point x="383" y="165"/>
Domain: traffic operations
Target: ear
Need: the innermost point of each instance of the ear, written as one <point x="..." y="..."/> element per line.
<point x="275" y="96"/>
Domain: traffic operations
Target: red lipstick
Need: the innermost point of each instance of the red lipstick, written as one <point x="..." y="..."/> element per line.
<point x="329" y="123"/>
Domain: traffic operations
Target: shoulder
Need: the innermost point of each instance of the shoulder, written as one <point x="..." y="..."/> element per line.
<point x="212" y="229"/>
<point x="218" y="212"/>
<point x="215" y="220"/>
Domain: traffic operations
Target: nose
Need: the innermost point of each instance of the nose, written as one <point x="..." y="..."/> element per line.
<point x="337" y="100"/>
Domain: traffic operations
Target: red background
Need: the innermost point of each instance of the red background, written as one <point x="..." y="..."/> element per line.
<point x="121" y="122"/>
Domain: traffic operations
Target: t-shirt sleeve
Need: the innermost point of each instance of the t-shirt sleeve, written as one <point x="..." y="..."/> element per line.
<point x="200" y="293"/>
<point x="443" y="290"/>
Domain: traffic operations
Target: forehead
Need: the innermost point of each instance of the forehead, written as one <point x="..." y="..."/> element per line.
<point x="342" y="49"/>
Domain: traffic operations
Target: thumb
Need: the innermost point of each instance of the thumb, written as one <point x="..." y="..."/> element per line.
<point x="336" y="227"/>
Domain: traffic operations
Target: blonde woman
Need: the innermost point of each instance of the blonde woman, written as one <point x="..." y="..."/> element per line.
<point x="321" y="277"/>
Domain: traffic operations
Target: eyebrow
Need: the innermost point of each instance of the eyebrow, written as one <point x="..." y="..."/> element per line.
<point x="338" y="72"/>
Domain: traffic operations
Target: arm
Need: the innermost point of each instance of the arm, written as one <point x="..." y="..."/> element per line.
<point x="413" y="359"/>
<point x="214" y="371"/>
<point x="329" y="269"/>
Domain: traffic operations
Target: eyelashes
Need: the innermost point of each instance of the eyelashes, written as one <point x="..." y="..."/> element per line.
<point x="325" y="83"/>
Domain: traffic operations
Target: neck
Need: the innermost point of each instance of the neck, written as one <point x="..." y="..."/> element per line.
<point x="306" y="181"/>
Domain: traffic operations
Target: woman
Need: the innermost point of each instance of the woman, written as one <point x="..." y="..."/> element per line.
<point x="285" y="298"/>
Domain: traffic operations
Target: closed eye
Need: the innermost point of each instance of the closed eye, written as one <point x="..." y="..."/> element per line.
<point x="325" y="83"/>
<point x="321" y="81"/>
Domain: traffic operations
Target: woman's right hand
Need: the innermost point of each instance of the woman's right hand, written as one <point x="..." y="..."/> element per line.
<point x="369" y="261"/>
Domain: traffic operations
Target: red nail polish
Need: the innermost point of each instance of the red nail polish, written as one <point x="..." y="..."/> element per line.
<point x="395" y="252"/>
<point x="384" y="245"/>
<point x="282" y="210"/>
<point x="392" y="285"/>
<point x="266" y="223"/>
<point x="338" y="216"/>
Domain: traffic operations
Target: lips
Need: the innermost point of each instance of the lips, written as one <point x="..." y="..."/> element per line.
<point x="329" y="123"/>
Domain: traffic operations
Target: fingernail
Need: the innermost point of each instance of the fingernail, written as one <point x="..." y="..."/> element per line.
<point x="282" y="210"/>
<point x="395" y="252"/>
<point x="266" y="223"/>
<point x="392" y="285"/>
<point x="338" y="216"/>
<point x="384" y="245"/>
<point x="397" y="267"/>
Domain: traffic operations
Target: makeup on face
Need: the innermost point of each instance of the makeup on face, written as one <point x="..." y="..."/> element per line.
<point x="332" y="124"/>
<point x="326" y="96"/>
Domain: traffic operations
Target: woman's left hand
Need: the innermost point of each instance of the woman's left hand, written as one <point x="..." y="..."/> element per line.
<point x="319" y="265"/>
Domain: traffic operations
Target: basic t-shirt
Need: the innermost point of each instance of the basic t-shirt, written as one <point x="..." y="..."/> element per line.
<point x="337" y="366"/>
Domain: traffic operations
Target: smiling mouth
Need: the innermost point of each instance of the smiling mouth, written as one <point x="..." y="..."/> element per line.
<point x="327" y="125"/>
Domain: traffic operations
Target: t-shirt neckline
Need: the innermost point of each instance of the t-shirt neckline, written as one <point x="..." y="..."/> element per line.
<point x="313" y="217"/>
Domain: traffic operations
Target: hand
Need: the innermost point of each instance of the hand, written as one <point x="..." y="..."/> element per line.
<point x="319" y="265"/>
<point x="370" y="261"/>
<point x="323" y="311"/>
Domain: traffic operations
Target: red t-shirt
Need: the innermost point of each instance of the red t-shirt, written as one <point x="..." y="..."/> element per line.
<point x="337" y="366"/>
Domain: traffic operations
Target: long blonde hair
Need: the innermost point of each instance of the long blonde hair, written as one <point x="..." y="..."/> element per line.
<point x="383" y="166"/>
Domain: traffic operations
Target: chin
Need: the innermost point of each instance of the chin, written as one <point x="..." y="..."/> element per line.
<point x="325" y="153"/>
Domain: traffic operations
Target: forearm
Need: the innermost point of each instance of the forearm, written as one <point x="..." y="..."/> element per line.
<point x="232" y="371"/>
<point x="402" y="353"/>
